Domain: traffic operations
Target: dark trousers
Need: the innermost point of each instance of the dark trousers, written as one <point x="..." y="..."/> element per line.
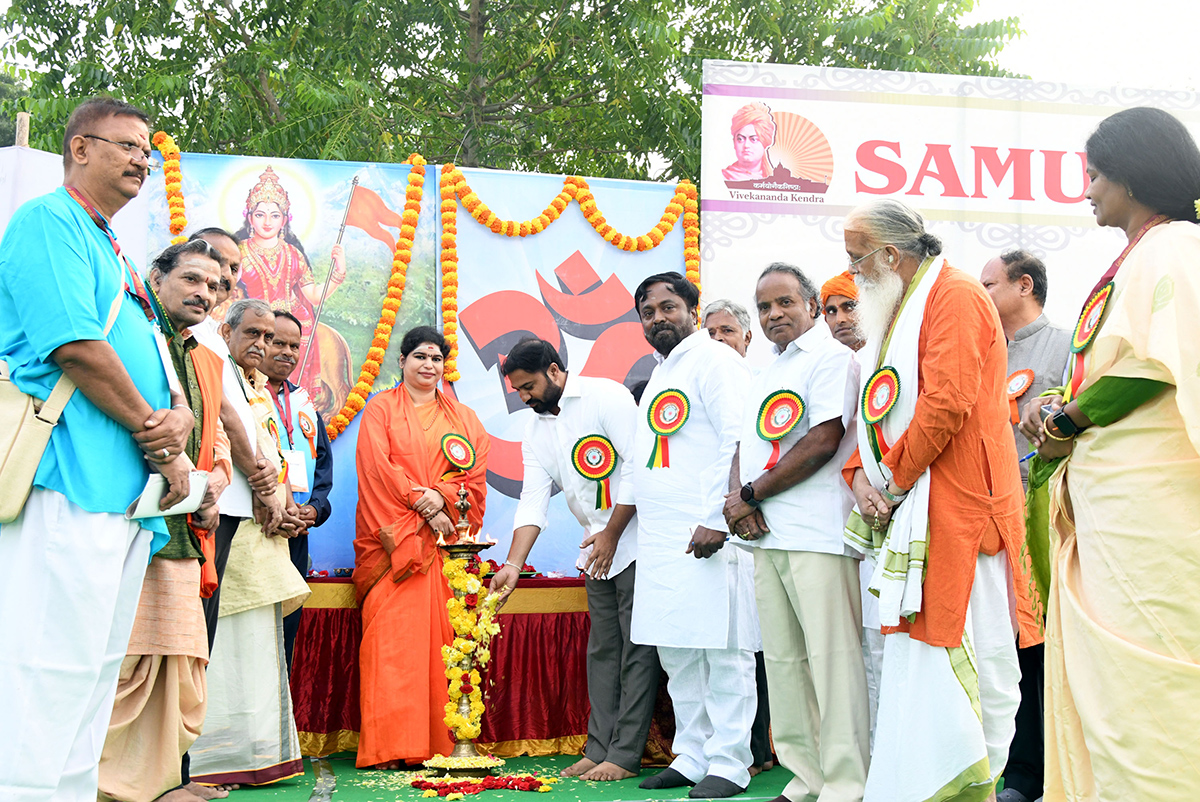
<point x="212" y="605"/>
<point x="1026" y="756"/>
<point x="622" y="676"/>
<point x="291" y="623"/>
<point x="760" y="731"/>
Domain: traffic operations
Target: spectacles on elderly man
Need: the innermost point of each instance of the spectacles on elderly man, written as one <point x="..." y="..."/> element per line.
<point x="854" y="262"/>
<point x="131" y="150"/>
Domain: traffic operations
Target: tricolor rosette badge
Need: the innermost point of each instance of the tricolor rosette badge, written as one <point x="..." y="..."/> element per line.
<point x="1089" y="319"/>
<point x="878" y="398"/>
<point x="668" y="412"/>
<point x="595" y="458"/>
<point x="1018" y="384"/>
<point x="779" y="414"/>
<point x="1085" y="331"/>
<point x="458" y="451"/>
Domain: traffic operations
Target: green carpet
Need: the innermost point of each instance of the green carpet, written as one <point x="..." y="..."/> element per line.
<point x="337" y="779"/>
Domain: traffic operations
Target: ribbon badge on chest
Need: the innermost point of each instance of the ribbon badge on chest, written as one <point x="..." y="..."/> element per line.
<point x="458" y="451"/>
<point x="1085" y="332"/>
<point x="878" y="398"/>
<point x="779" y="414"/>
<point x="274" y="432"/>
<point x="668" y="412"/>
<point x="595" y="458"/>
<point x="309" y="430"/>
<point x="1018" y="384"/>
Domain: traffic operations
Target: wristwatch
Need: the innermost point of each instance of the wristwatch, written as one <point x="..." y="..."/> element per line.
<point x="748" y="495"/>
<point x="893" y="498"/>
<point x="1063" y="424"/>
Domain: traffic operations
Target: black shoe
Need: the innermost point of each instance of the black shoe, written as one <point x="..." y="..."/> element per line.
<point x="667" y="778"/>
<point x="1012" y="795"/>
<point x="712" y="787"/>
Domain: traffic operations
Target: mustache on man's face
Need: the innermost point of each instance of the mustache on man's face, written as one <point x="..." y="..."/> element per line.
<point x="199" y="302"/>
<point x="288" y="358"/>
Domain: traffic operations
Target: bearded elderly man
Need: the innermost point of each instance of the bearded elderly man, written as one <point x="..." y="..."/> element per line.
<point x="250" y="732"/>
<point x="691" y="598"/>
<point x="939" y="511"/>
<point x="306" y="448"/>
<point x="162" y="694"/>
<point x="789" y="502"/>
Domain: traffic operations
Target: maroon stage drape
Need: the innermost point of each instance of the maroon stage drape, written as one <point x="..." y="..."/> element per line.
<point x="535" y="687"/>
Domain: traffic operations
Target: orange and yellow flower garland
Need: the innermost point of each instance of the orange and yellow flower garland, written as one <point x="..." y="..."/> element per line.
<point x="173" y="178"/>
<point x="451" y="176"/>
<point x="454" y="184"/>
<point x="357" y="398"/>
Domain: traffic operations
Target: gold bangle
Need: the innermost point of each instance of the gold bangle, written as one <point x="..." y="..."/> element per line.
<point x="1053" y="436"/>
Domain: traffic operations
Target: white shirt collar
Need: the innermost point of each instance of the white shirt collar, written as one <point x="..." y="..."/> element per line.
<point x="806" y="341"/>
<point x="688" y="343"/>
<point x="572" y="389"/>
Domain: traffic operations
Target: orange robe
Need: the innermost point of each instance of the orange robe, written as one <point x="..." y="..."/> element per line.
<point x="398" y="570"/>
<point x="961" y="432"/>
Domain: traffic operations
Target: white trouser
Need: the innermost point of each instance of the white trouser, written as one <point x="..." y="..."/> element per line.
<point x="872" y="640"/>
<point x="66" y="611"/>
<point x="715" y="698"/>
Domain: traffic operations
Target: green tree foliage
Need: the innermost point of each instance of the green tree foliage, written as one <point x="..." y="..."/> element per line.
<point x="579" y="86"/>
<point x="10" y="92"/>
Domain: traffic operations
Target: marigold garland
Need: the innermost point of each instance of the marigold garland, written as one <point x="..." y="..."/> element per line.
<point x="684" y="204"/>
<point x="473" y="620"/>
<point x="401" y="258"/>
<point x="450" y="178"/>
<point x="173" y="179"/>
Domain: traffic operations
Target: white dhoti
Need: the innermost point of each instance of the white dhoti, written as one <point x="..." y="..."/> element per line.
<point x="947" y="716"/>
<point x="249" y="733"/>
<point x="67" y="607"/>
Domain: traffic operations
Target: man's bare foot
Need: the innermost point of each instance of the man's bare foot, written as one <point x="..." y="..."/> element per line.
<point x="391" y="765"/>
<point x="606" y="772"/>
<point x="755" y="770"/>
<point x="178" y="795"/>
<point x="209" y="791"/>
<point x="577" y="768"/>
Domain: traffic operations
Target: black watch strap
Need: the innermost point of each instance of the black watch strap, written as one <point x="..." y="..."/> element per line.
<point x="1063" y="423"/>
<point x="748" y="495"/>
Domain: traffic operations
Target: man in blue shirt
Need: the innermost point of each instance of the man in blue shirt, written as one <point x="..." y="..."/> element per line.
<point x="75" y="564"/>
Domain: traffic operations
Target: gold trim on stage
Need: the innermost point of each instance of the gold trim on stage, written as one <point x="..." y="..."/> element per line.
<point x="563" y="745"/>
<point x="340" y="596"/>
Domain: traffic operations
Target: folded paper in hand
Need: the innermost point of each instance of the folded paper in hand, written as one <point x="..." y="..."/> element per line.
<point x="146" y="505"/>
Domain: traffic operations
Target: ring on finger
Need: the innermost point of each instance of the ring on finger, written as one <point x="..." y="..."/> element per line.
<point x="166" y="453"/>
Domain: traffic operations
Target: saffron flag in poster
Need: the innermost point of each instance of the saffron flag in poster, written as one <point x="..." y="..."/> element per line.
<point x="992" y="163"/>
<point x="566" y="285"/>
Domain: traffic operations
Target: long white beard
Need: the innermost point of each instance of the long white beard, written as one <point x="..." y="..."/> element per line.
<point x="878" y="299"/>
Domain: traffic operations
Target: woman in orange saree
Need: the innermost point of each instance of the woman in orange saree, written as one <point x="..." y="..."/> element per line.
<point x="407" y="484"/>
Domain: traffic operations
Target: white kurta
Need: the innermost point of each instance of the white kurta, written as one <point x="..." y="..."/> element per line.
<point x="680" y="601"/>
<point x="589" y="406"/>
<point x="236" y="500"/>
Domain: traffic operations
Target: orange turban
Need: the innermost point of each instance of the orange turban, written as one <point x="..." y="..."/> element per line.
<point x="758" y="115"/>
<point x="839" y="285"/>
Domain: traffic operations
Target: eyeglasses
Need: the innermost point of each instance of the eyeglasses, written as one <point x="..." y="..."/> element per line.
<point x="854" y="262"/>
<point x="131" y="150"/>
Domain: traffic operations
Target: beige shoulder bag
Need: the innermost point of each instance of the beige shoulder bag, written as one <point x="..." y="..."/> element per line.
<point x="25" y="426"/>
